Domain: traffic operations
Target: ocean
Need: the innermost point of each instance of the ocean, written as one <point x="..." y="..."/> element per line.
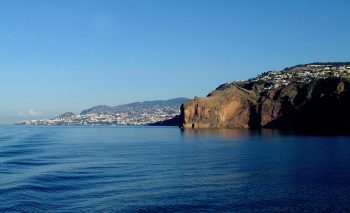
<point x="166" y="169"/>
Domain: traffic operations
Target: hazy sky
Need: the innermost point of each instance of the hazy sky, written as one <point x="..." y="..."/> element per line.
<point x="68" y="55"/>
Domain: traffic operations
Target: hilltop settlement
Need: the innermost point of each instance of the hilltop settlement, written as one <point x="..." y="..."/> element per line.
<point x="301" y="74"/>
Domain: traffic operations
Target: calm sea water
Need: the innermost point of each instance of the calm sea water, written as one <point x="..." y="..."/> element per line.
<point x="133" y="169"/>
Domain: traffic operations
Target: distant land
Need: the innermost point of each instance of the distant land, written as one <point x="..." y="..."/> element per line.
<point x="306" y="97"/>
<point x="137" y="113"/>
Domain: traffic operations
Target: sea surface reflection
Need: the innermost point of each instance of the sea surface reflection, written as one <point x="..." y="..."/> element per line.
<point x="152" y="169"/>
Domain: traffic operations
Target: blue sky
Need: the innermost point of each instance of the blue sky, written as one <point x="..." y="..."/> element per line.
<point x="64" y="55"/>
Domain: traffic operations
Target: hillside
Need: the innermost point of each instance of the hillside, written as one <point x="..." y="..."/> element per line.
<point x="304" y="97"/>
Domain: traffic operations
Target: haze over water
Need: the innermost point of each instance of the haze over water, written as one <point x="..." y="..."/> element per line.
<point x="166" y="169"/>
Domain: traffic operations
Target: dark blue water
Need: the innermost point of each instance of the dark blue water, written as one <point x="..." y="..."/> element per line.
<point x="129" y="169"/>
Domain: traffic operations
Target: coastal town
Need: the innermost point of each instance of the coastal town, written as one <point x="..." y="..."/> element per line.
<point x="126" y="118"/>
<point x="133" y="116"/>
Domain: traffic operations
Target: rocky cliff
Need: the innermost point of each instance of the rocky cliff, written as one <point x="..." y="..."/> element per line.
<point x="320" y="104"/>
<point x="233" y="107"/>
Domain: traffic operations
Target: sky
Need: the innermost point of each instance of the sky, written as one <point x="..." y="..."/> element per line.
<point x="63" y="55"/>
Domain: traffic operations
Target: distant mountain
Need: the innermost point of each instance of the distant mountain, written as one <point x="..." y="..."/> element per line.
<point x="145" y="105"/>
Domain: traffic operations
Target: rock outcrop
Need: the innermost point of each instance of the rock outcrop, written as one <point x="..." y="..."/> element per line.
<point x="323" y="104"/>
<point x="234" y="107"/>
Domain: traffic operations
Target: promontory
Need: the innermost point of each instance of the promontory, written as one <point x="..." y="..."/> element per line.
<point x="312" y="96"/>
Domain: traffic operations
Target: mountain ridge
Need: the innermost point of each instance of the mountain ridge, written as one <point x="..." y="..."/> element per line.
<point x="105" y="109"/>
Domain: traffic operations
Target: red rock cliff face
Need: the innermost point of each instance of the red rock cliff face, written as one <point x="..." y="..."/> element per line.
<point x="233" y="107"/>
<point x="323" y="104"/>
